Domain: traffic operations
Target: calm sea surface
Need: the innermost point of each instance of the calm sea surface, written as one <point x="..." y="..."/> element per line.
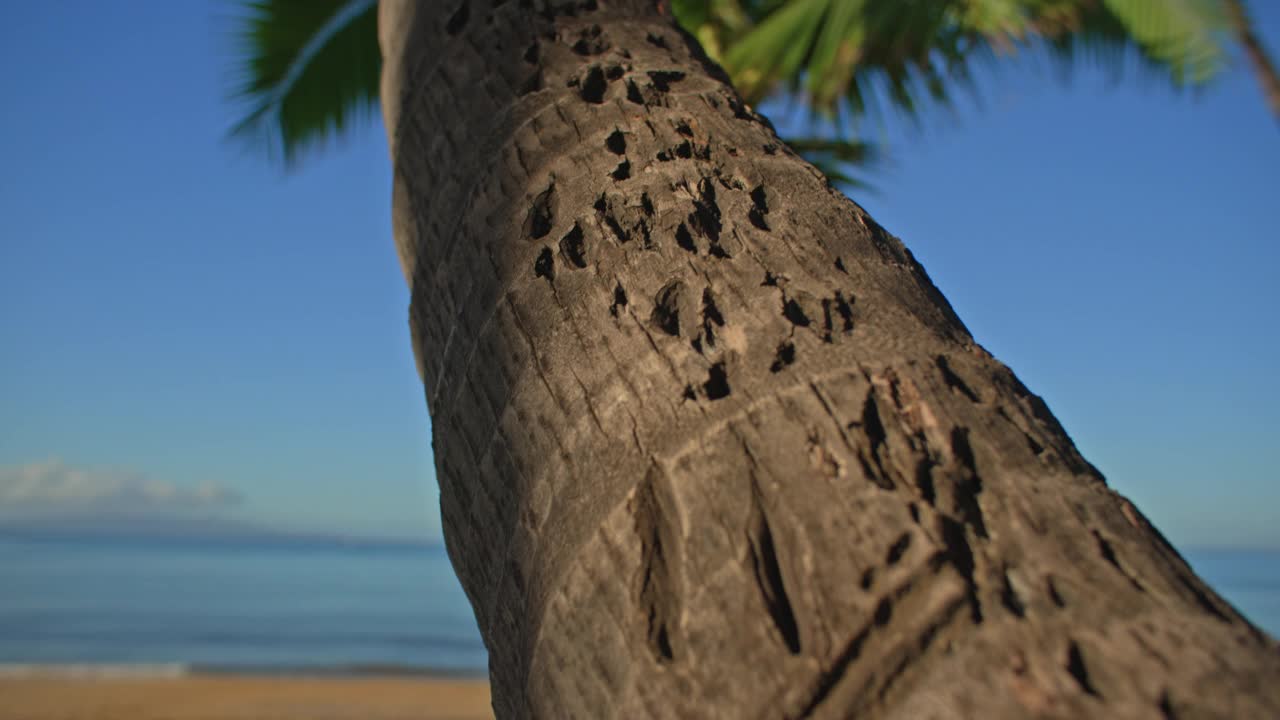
<point x="256" y="607"/>
<point x="318" y="607"/>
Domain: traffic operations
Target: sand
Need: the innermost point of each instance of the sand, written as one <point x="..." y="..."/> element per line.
<point x="232" y="697"/>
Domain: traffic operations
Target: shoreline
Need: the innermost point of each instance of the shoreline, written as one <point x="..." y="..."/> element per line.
<point x="141" y="693"/>
<point x="162" y="670"/>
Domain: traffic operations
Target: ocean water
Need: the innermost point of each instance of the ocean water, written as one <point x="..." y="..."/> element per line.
<point x="261" y="607"/>
<point x="318" y="607"/>
<point x="1248" y="579"/>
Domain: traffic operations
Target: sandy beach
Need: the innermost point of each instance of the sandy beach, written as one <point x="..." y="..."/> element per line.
<point x="233" y="697"/>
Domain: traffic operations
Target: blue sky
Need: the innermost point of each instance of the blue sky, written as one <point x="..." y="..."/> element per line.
<point x="181" y="319"/>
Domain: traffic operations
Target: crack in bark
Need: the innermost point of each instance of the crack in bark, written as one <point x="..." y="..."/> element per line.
<point x="873" y="429"/>
<point x="958" y="552"/>
<point x="1075" y="666"/>
<point x="768" y="574"/>
<point x="657" y="594"/>
<point x="953" y="380"/>
<point x="1108" y="553"/>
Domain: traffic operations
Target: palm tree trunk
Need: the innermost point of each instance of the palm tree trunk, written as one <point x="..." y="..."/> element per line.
<point x="711" y="444"/>
<point x="1263" y="68"/>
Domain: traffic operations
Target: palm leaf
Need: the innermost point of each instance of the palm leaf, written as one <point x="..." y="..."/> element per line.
<point x="849" y="51"/>
<point x="311" y="67"/>
<point x="1185" y="35"/>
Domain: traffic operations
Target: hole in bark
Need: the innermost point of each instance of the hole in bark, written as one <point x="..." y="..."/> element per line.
<point x="532" y="85"/>
<point x="614" y="72"/>
<point x="1054" y="595"/>
<point x="826" y="320"/>
<point x="573" y="247"/>
<point x="785" y="356"/>
<point x="663" y="643"/>
<point x="666" y="308"/>
<point x="953" y="380"/>
<point x="705" y="218"/>
<point x="1075" y="666"/>
<point x="1203" y="600"/>
<point x="1035" y="447"/>
<point x="458" y="20"/>
<point x="840" y="266"/>
<point x="657" y="40"/>
<point x="717" y="384"/>
<point x="759" y="208"/>
<point x="1109" y="554"/>
<point x="871" y="424"/>
<point x="1009" y="596"/>
<point x="898" y="549"/>
<point x="960" y="555"/>
<point x="544" y="266"/>
<point x="844" y="308"/>
<point x="924" y="480"/>
<point x="1032" y="444"/>
<point x="915" y="512"/>
<point x="711" y="317"/>
<point x="969" y="485"/>
<point x="633" y="93"/>
<point x="663" y="79"/>
<point x="619" y="300"/>
<point x="876" y="437"/>
<point x="688" y="393"/>
<point x="1166" y="706"/>
<point x="591" y="42"/>
<point x="621" y="233"/>
<point x="760" y="199"/>
<point x="716" y="250"/>
<point x="868" y="578"/>
<point x="684" y="239"/>
<point x="769" y="148"/>
<point x="622" y="172"/>
<point x="593" y="85"/>
<point x="538" y="222"/>
<point x="883" y="613"/>
<point x="770" y="280"/>
<point x="616" y="142"/>
<point x="683" y="128"/>
<point x="792" y="311"/>
<point x="684" y="151"/>
<point x="646" y="204"/>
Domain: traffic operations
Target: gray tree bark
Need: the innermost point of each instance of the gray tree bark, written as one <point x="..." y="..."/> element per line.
<point x="711" y="444"/>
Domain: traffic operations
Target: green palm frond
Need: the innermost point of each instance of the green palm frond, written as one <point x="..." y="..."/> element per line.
<point x="853" y="58"/>
<point x="310" y="68"/>
<point x="1184" y="35"/>
<point x="840" y="51"/>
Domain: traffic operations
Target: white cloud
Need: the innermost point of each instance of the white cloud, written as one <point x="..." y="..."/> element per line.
<point x="54" y="486"/>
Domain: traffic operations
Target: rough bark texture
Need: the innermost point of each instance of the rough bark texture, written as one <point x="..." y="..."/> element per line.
<point x="710" y="442"/>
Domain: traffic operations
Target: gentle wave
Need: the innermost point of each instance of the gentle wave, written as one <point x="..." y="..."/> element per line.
<point x="95" y="670"/>
<point x="150" y="671"/>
